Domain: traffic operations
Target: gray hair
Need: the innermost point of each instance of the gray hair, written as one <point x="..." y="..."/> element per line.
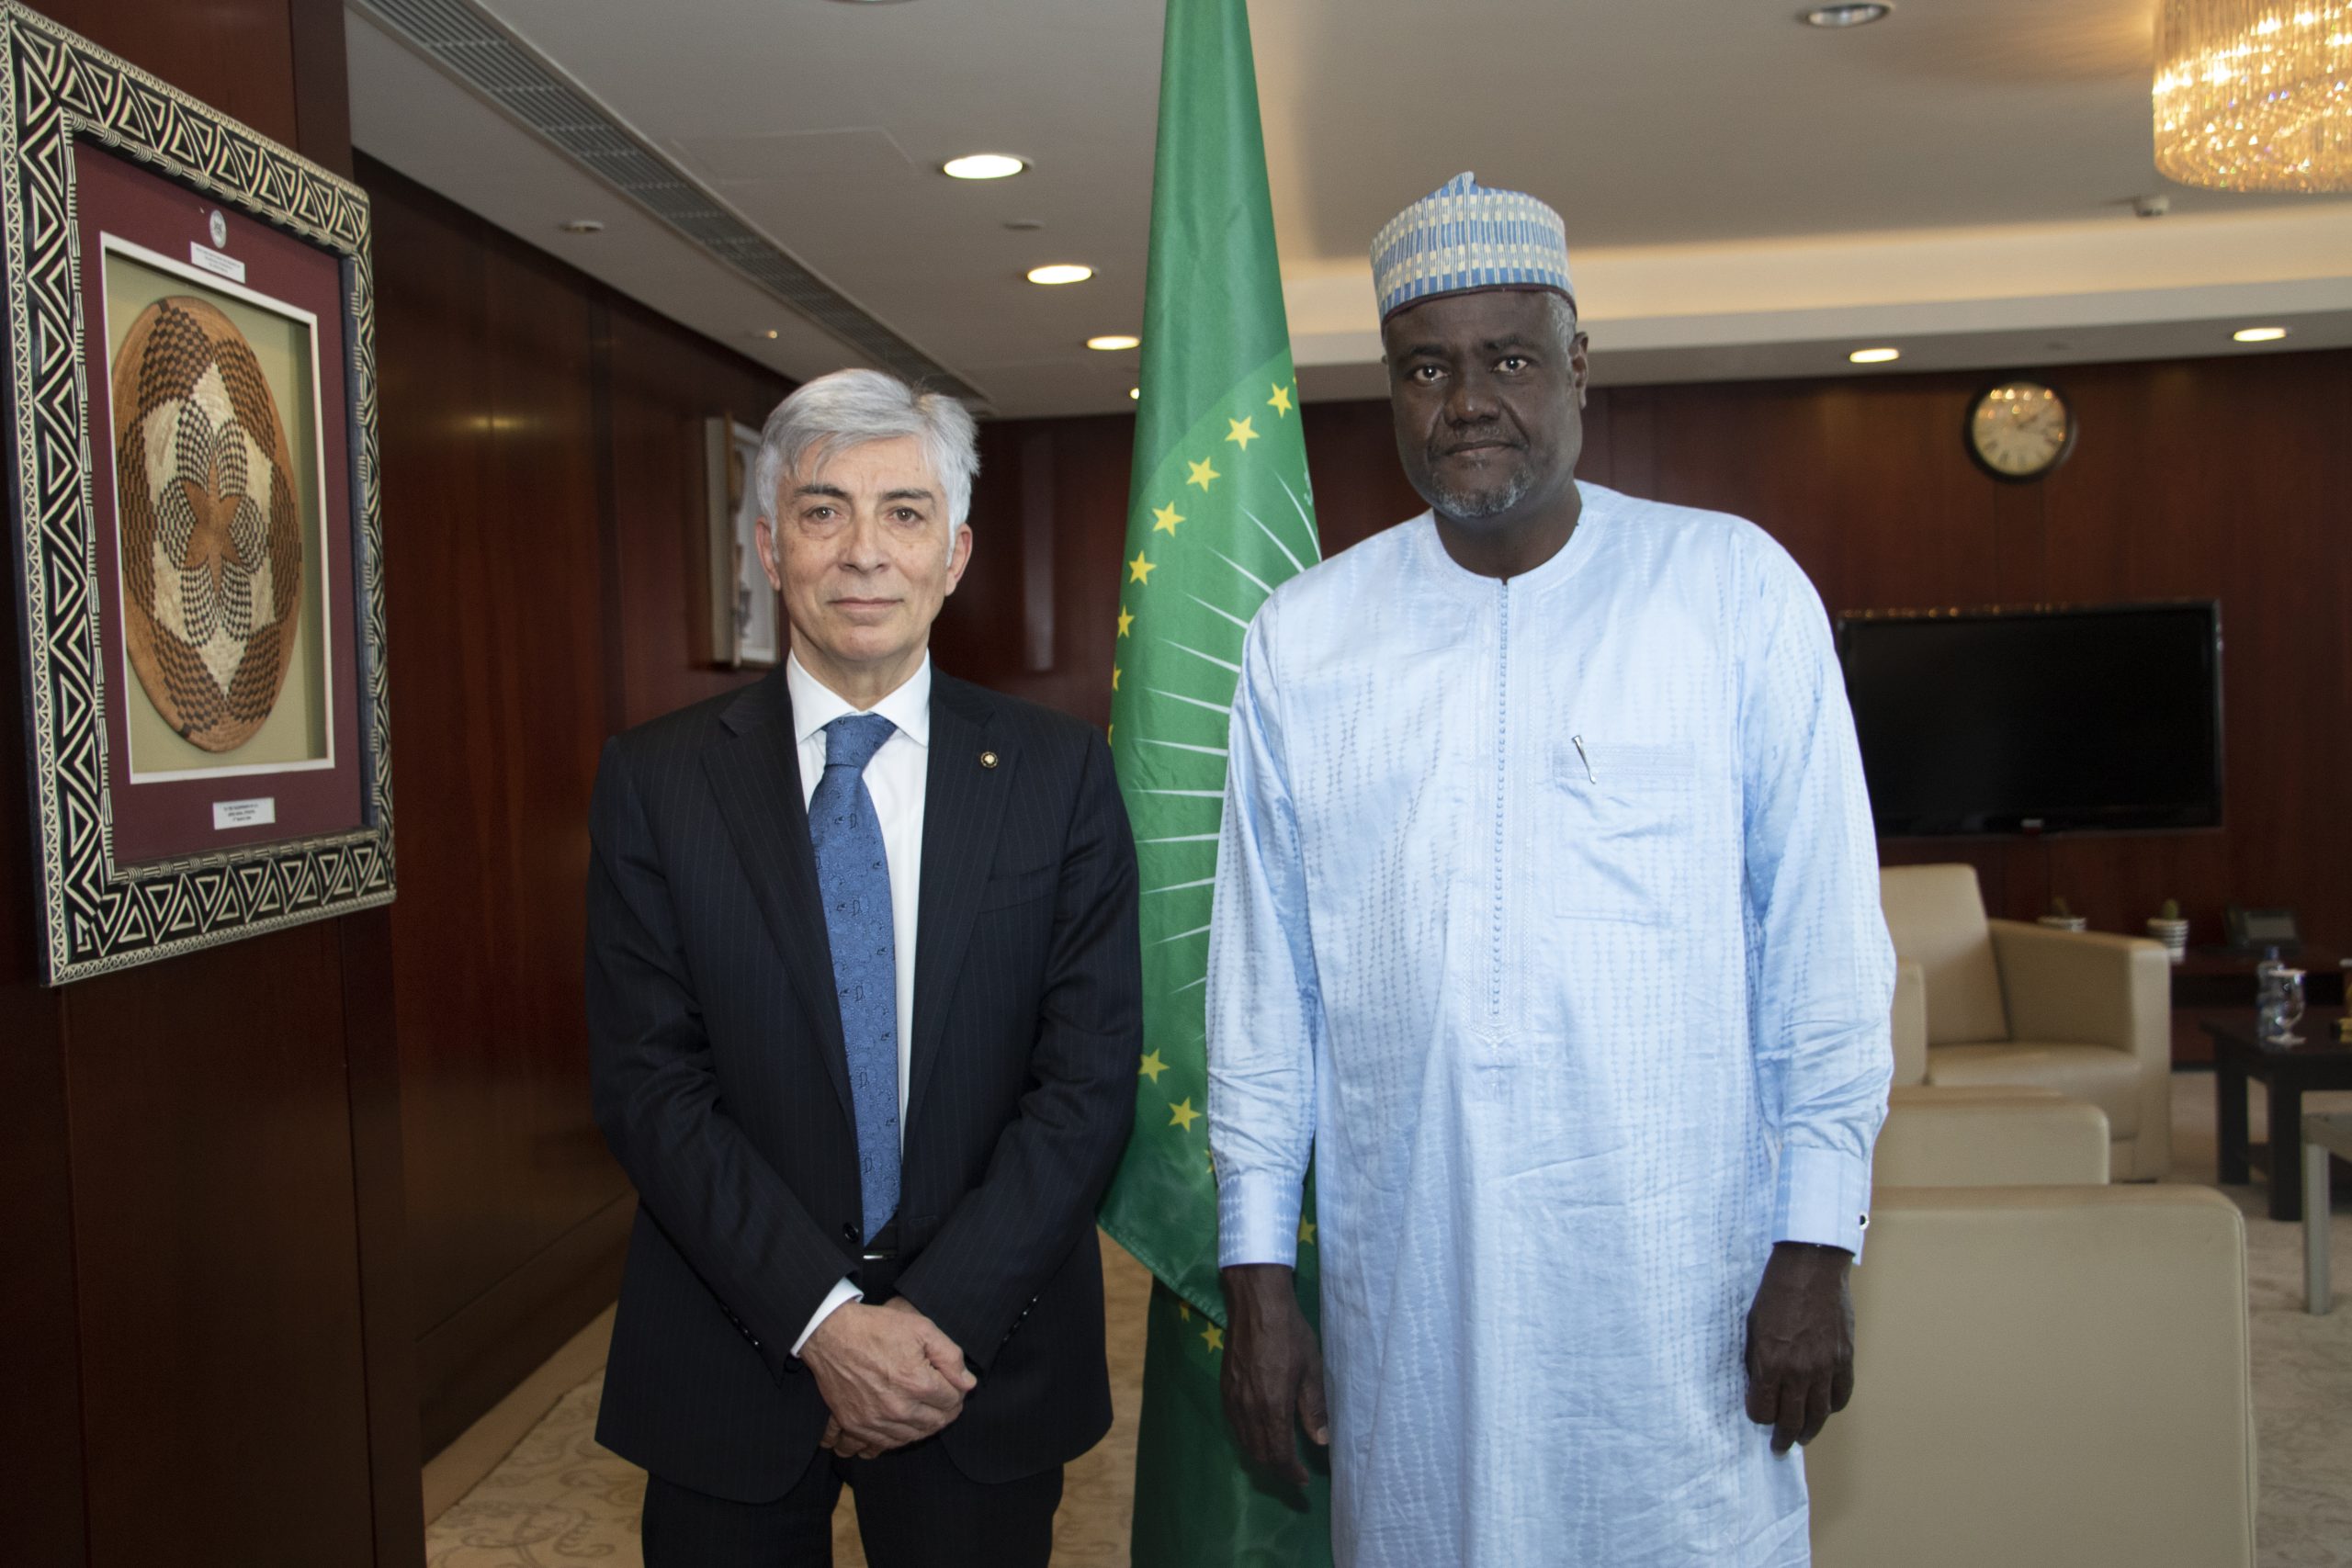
<point x="1564" y="320"/>
<point x="850" y="408"/>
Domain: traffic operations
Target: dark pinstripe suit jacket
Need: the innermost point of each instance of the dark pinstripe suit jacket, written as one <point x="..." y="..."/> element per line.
<point x="721" y="1082"/>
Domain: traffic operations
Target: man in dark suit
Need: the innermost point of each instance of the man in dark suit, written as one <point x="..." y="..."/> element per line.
<point x="864" y="1003"/>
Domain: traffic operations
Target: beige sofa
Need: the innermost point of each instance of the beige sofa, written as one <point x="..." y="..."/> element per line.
<point x="2045" y="1377"/>
<point x="1990" y="1138"/>
<point x="1983" y="1004"/>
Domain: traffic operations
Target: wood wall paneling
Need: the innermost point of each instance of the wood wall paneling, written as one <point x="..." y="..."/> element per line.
<point x="236" y="55"/>
<point x="387" y="1309"/>
<point x="665" y="382"/>
<point x="216" y="1240"/>
<point x="982" y="634"/>
<point x="495" y="594"/>
<point x="41" y="1442"/>
<point x="542" y="442"/>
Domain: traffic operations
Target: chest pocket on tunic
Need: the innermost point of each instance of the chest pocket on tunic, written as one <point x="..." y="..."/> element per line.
<point x="1624" y="831"/>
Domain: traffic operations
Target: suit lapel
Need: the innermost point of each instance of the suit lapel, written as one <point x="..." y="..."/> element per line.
<point x="754" y="770"/>
<point x="963" y="808"/>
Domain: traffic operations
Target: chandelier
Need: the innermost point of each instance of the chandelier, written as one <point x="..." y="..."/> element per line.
<point x="2256" y="95"/>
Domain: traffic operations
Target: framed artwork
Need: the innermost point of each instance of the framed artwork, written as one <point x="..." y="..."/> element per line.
<point x="745" y="631"/>
<point x="190" y="405"/>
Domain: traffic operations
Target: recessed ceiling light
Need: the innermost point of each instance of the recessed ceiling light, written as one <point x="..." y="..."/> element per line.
<point x="767" y="333"/>
<point x="1874" y="355"/>
<point x="584" y="226"/>
<point x="1115" y="339"/>
<point x="1060" y="271"/>
<point x="1023" y="225"/>
<point x="1135" y="394"/>
<point x="2259" y="335"/>
<point x="1844" y="15"/>
<point x="983" y="166"/>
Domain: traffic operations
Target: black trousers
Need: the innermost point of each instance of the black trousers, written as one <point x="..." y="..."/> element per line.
<point x="915" y="1510"/>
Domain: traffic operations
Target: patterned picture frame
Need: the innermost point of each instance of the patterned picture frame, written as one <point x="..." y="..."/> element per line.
<point x="64" y="93"/>
<point x="746" y="623"/>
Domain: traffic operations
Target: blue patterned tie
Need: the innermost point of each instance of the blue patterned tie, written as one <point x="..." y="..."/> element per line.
<point x="853" y="878"/>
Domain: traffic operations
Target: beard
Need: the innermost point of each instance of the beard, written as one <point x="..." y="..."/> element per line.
<point x="1497" y="495"/>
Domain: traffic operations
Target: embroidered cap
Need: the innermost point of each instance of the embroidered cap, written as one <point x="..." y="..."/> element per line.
<point x="1462" y="236"/>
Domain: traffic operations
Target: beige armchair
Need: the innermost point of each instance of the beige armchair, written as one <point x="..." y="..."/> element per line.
<point x="2008" y="1004"/>
<point x="2044" y="1375"/>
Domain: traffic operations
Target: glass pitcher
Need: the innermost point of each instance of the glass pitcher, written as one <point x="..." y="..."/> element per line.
<point x="2280" y="1006"/>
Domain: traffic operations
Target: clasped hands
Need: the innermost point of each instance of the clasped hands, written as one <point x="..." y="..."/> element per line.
<point x="1800" y="1356"/>
<point x="887" y="1375"/>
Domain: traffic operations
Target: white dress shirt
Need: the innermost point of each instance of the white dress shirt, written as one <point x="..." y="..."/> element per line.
<point x="897" y="778"/>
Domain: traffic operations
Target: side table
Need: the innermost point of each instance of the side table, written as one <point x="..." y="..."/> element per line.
<point x="2325" y="1134"/>
<point x="2321" y="1062"/>
<point x="2213" y="983"/>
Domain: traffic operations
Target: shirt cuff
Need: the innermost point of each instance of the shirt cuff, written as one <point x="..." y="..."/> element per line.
<point x="840" y="1296"/>
<point x="1825" y="1199"/>
<point x="1257" y="1219"/>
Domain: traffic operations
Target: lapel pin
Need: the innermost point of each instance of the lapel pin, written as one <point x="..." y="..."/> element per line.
<point x="987" y="758"/>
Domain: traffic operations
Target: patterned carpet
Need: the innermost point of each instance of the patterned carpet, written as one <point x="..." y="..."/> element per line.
<point x="559" y="1499"/>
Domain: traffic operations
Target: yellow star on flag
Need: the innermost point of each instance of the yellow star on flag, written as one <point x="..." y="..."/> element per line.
<point x="1212" y="1337"/>
<point x="1280" y="402"/>
<point x="1140" y="569"/>
<point x="1202" y="473"/>
<point x="1114" y="677"/>
<point x="1307" y="1232"/>
<point x="1166" y="518"/>
<point x="1152" y="1067"/>
<point x="1183" y="1313"/>
<point x="1184" y="1115"/>
<point x="1126" y="620"/>
<point x="1242" y="434"/>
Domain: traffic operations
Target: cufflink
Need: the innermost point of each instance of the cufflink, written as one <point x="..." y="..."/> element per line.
<point x="987" y="758"/>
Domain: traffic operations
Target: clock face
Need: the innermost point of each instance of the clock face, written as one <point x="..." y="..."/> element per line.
<point x="2019" y="430"/>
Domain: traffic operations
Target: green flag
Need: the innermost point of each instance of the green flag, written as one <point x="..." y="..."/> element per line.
<point x="1219" y="514"/>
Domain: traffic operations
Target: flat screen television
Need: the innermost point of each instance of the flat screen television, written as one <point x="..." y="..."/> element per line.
<point x="2103" y="718"/>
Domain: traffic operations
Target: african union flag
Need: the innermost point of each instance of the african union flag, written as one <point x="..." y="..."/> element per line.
<point x="1219" y="514"/>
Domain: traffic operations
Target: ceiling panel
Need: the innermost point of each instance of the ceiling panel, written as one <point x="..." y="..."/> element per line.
<point x="1677" y="136"/>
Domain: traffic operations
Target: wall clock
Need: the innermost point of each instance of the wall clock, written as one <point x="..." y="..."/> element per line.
<point x="2018" y="430"/>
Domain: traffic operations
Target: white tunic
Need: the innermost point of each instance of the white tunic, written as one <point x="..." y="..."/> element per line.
<point x="1547" y="919"/>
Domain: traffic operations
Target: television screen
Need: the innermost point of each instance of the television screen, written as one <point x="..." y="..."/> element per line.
<point x="2034" y="721"/>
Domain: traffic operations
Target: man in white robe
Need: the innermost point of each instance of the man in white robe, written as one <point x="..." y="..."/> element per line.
<point x="1547" y="923"/>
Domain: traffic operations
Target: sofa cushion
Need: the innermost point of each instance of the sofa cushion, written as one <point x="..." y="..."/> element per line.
<point x="1965" y="1141"/>
<point x="2093" y="1074"/>
<point x="2048" y="1375"/>
<point x="1936" y="916"/>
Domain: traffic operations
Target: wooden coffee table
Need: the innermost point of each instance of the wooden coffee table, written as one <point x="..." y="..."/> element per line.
<point x="2320" y="1063"/>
